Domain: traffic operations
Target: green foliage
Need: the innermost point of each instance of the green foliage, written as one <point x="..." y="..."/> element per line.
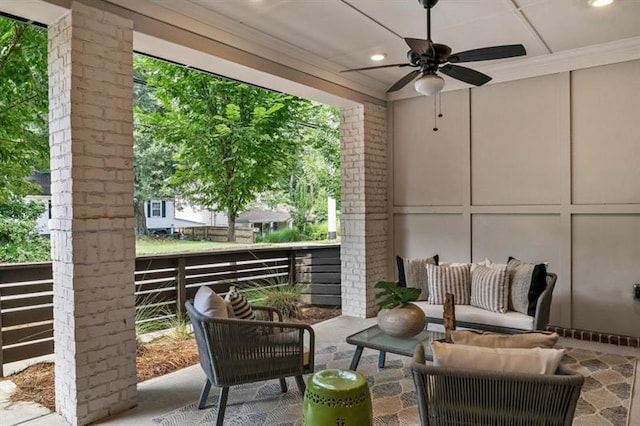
<point x="317" y="231"/>
<point x="282" y="236"/>
<point x="19" y="241"/>
<point x="316" y="172"/>
<point x="24" y="143"/>
<point x="391" y="295"/>
<point x="233" y="140"/>
<point x="285" y="298"/>
<point x="180" y="327"/>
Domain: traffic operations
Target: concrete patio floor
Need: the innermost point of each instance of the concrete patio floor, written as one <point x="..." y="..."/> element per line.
<point x="166" y="393"/>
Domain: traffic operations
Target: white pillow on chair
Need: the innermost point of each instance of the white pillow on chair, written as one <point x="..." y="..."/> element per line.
<point x="210" y="304"/>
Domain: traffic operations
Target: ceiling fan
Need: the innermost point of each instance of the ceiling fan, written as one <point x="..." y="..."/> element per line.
<point x="430" y="58"/>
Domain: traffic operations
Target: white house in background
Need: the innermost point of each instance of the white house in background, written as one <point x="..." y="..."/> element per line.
<point x="163" y="216"/>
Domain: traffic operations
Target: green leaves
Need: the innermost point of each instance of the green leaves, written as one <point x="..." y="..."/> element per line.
<point x="393" y="296"/>
<point x="23" y="107"/>
<point x="232" y="141"/>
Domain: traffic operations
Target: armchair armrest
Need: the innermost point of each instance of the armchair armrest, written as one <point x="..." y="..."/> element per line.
<point x="543" y="307"/>
<point x="266" y="313"/>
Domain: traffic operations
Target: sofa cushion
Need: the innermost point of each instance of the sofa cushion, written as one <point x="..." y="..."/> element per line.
<point x="513" y="360"/>
<point x="472" y="314"/>
<point x="210" y="304"/>
<point x="240" y="305"/>
<point x="527" y="281"/>
<point x="412" y="273"/>
<point x="454" y="279"/>
<point x="534" y="339"/>
<point x="490" y="287"/>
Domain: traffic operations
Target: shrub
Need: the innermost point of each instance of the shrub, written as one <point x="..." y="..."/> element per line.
<point x="19" y="240"/>
<point x="281" y="236"/>
<point x="283" y="297"/>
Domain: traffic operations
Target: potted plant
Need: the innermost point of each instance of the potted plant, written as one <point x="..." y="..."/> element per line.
<point x="396" y="316"/>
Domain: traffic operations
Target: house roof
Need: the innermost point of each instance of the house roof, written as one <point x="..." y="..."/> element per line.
<point x="263" y="215"/>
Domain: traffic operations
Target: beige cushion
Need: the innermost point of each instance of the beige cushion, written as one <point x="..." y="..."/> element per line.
<point x="533" y="339"/>
<point x="209" y="304"/>
<point x="512" y="360"/>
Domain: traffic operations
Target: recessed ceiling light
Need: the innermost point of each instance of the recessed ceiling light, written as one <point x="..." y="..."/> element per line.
<point x="378" y="56"/>
<point x="600" y="3"/>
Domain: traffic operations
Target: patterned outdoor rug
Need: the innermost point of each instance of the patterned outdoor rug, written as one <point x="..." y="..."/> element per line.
<point x="605" y="398"/>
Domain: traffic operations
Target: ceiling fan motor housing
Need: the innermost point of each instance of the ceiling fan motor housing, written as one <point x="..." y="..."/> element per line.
<point x="428" y="4"/>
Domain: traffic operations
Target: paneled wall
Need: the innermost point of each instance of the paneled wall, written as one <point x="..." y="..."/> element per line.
<point x="545" y="169"/>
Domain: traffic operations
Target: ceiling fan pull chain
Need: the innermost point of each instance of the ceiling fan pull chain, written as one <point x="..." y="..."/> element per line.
<point x="440" y="104"/>
<point x="435" y="113"/>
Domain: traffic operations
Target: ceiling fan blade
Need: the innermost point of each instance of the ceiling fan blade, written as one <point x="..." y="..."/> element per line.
<point x="377" y="66"/>
<point x="419" y="45"/>
<point x="488" y="53"/>
<point x="403" y="81"/>
<point x="465" y="74"/>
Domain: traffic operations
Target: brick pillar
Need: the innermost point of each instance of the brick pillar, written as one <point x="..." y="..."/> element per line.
<point x="92" y="225"/>
<point x="364" y="214"/>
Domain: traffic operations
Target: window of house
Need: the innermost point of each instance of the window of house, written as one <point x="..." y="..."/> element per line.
<point x="156" y="209"/>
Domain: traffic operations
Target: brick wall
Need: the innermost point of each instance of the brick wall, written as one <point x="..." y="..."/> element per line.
<point x="92" y="225"/>
<point x="364" y="206"/>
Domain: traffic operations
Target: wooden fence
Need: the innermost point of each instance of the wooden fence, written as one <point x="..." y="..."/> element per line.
<point x="217" y="233"/>
<point x="162" y="284"/>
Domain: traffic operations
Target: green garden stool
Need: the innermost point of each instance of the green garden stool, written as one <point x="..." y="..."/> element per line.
<point x="337" y="397"/>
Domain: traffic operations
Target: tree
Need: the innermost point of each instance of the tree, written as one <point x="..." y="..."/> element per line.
<point x="316" y="173"/>
<point x="23" y="107"/>
<point x="234" y="140"/>
<point x="153" y="157"/>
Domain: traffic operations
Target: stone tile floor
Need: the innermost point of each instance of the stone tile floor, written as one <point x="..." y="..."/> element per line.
<point x="163" y="394"/>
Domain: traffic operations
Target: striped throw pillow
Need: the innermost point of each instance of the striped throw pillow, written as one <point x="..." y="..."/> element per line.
<point x="412" y="273"/>
<point x="454" y="279"/>
<point x="490" y="287"/>
<point x="240" y="305"/>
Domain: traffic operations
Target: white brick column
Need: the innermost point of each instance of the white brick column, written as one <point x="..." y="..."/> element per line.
<point x="364" y="214"/>
<point x="92" y="226"/>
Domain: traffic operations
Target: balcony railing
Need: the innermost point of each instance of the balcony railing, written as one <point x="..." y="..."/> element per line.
<point x="164" y="282"/>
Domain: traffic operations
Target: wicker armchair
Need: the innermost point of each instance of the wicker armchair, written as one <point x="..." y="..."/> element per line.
<point x="233" y="352"/>
<point x="471" y="397"/>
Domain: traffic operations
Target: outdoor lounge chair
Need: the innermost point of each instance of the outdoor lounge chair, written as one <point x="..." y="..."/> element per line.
<point x="448" y="396"/>
<point x="234" y="352"/>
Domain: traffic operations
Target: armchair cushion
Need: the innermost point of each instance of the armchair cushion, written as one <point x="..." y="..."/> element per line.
<point x="534" y="339"/>
<point x="210" y="304"/>
<point x="514" y="360"/>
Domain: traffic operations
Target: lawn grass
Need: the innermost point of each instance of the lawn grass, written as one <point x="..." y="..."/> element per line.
<point x="166" y="246"/>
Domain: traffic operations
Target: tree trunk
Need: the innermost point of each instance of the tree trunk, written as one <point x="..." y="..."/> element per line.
<point x="141" y="220"/>
<point x="231" y="230"/>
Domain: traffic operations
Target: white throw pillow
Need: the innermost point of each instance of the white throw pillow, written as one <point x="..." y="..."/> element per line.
<point x="209" y="304"/>
<point x="532" y="361"/>
<point x="490" y="287"/>
<point x="454" y="279"/>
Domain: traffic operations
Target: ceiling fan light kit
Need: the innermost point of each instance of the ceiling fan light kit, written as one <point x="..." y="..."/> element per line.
<point x="429" y="84"/>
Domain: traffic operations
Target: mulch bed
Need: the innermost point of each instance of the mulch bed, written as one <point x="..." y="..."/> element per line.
<point x="153" y="359"/>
